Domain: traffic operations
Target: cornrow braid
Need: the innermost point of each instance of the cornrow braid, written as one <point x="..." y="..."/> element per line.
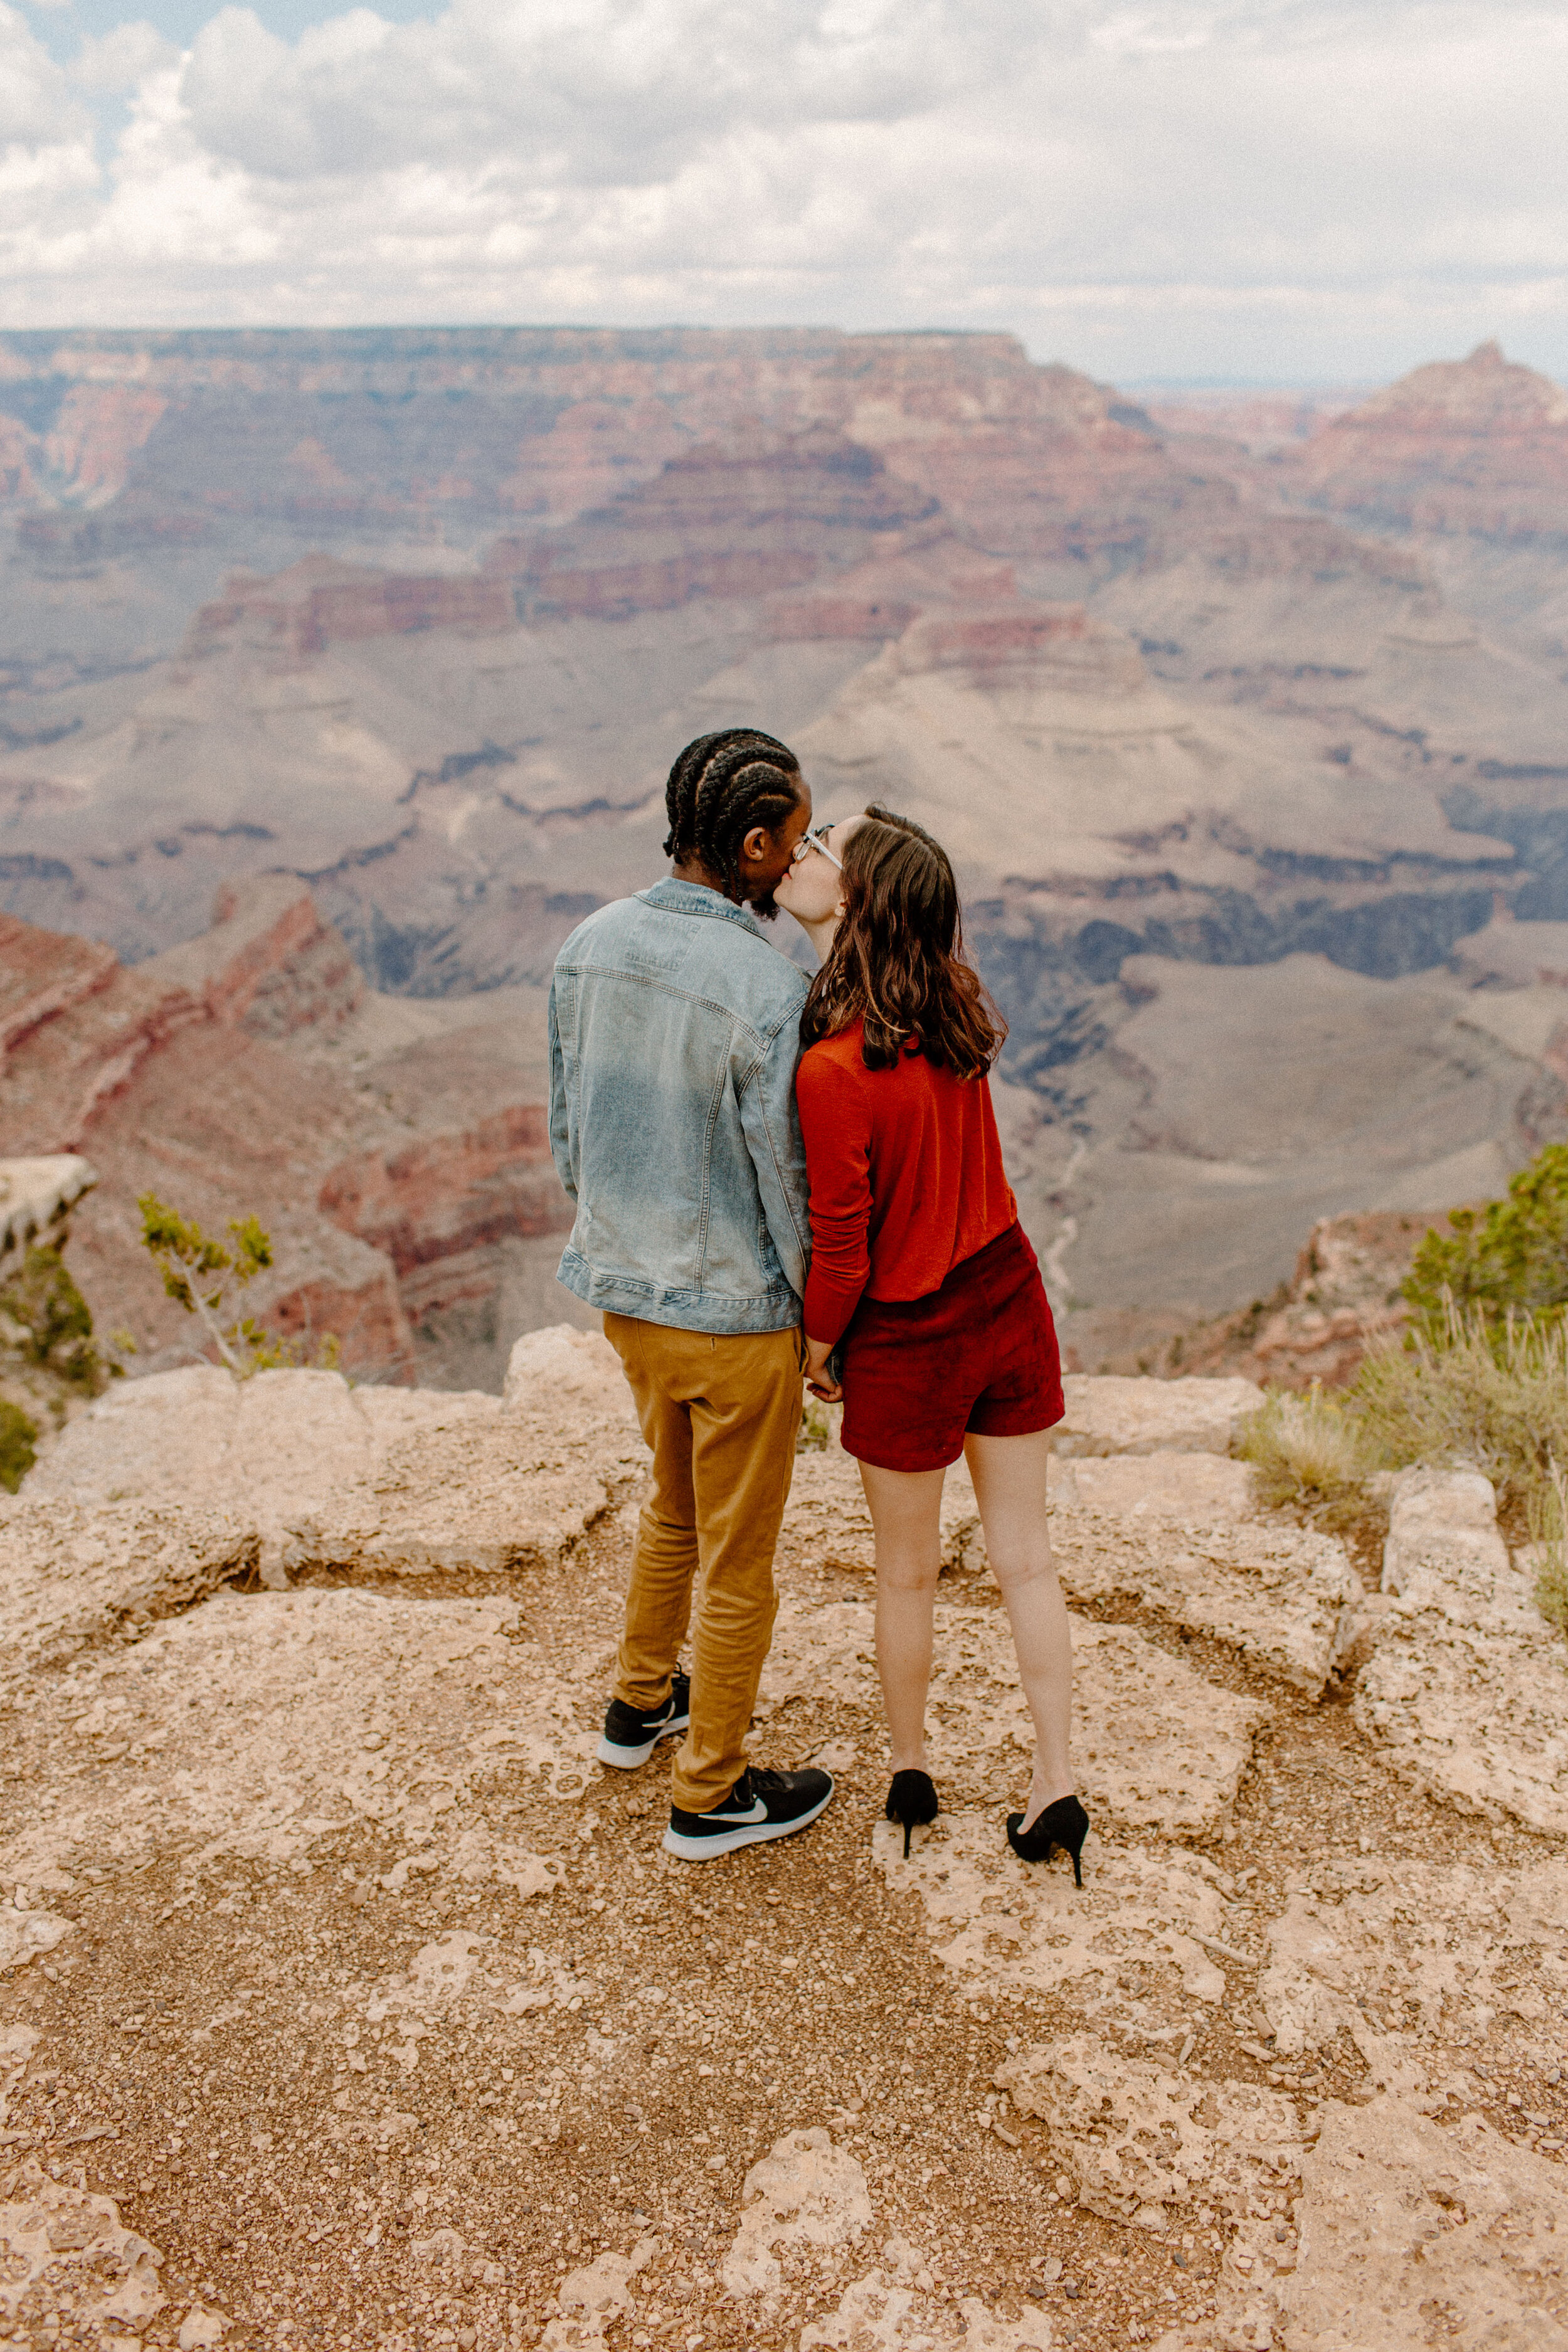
<point x="719" y="788"/>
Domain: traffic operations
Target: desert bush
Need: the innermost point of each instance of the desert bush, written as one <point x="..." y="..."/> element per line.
<point x="44" y="1321"/>
<point x="18" y="1442"/>
<point x="1490" y="1395"/>
<point x="1309" y="1453"/>
<point x="1548" y="1521"/>
<point x="1513" y="1253"/>
<point x="204" y="1275"/>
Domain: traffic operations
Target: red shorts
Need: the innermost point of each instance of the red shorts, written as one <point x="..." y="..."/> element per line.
<point x="980" y="1354"/>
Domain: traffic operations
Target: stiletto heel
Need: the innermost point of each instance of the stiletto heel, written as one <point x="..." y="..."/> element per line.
<point x="911" y="1802"/>
<point x="1065" y="1824"/>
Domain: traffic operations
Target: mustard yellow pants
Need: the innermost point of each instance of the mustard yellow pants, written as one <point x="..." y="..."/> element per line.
<point x="721" y="1415"/>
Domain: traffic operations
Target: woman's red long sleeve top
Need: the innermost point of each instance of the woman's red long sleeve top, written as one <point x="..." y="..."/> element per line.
<point x="906" y="1177"/>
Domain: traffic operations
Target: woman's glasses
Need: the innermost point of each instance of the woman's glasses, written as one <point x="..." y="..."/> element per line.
<point x="814" y="840"/>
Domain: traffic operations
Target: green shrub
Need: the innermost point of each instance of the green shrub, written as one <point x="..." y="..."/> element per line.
<point x="1310" y="1454"/>
<point x="1513" y="1253"/>
<point x="205" y="1276"/>
<point x="19" y="1445"/>
<point x="44" y="1319"/>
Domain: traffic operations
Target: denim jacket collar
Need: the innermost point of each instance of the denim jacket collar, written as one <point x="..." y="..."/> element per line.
<point x="675" y="897"/>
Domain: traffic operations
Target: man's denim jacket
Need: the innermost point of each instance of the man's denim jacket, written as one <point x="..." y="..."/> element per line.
<point x="674" y="1036"/>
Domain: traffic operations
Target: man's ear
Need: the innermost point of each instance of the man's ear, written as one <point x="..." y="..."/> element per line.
<point x="757" y="843"/>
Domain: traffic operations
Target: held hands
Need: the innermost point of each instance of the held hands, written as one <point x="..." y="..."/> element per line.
<point x="818" y="1378"/>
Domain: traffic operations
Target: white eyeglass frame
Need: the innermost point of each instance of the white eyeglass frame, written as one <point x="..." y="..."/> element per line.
<point x="814" y="840"/>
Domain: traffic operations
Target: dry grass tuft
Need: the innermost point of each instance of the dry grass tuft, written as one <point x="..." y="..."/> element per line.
<point x="1308" y="1453"/>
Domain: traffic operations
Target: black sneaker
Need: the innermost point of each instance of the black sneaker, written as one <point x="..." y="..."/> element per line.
<point x="631" y="1737"/>
<point x="761" y="1805"/>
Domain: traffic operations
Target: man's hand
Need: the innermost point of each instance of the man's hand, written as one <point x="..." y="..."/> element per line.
<point x="817" y="1377"/>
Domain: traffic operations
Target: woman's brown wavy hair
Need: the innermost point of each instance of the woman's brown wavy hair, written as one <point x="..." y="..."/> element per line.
<point x="897" y="961"/>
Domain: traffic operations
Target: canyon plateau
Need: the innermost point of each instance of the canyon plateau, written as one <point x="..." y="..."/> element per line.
<point x="1244" y="727"/>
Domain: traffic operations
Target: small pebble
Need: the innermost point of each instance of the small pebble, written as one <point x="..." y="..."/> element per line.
<point x="1071" y="2288"/>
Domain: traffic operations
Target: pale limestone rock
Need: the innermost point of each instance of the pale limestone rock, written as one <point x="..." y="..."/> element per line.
<point x="605" y="2287"/>
<point x="26" y="1935"/>
<point x="257" y="1725"/>
<point x="17" y="2043"/>
<point x="1445" y="1948"/>
<point x="882" y="2313"/>
<point x="1443" y="1549"/>
<point x="1002" y="1926"/>
<point x="1141" y="2139"/>
<point x="65" y="2252"/>
<point x="1285" y="1598"/>
<point x="587" y="2298"/>
<point x="202" y="2330"/>
<point x="1412" y="2236"/>
<point x="1467" y="1686"/>
<point x="72" y="1577"/>
<point x="1108" y="1414"/>
<point x="378" y="1481"/>
<point x="1155" y="1745"/>
<point x="803" y="2192"/>
<point x="561" y="1365"/>
<point x="35" y="1194"/>
<point x="1204" y="1489"/>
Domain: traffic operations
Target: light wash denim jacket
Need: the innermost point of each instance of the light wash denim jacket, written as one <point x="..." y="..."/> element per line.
<point x="674" y="1036"/>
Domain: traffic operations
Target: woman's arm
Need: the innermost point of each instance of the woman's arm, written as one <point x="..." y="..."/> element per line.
<point x="835" y="1122"/>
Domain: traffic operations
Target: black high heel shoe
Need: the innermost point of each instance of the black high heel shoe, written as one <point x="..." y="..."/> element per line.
<point x="911" y="1802"/>
<point x="1065" y="1824"/>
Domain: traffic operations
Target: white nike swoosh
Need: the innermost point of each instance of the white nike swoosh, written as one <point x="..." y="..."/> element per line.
<point x="759" y="1812"/>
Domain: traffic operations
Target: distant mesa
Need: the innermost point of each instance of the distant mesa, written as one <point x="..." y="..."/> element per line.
<point x="1477" y="447"/>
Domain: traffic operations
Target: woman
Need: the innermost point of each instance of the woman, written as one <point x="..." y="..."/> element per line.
<point x="922" y="1278"/>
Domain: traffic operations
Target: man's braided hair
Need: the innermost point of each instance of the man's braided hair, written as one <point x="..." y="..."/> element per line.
<point x="719" y="788"/>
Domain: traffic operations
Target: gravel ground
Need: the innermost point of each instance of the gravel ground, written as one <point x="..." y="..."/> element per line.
<point x="204" y="2061"/>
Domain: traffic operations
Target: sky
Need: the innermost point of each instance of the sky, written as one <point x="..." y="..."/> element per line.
<point x="1271" y="191"/>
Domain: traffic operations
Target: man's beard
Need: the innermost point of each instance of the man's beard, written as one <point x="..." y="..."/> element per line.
<point x="765" y="908"/>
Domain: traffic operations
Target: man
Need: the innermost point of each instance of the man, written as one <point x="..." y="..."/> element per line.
<point x="673" y="1035"/>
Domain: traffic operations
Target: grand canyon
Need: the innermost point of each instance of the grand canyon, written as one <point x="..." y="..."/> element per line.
<point x="341" y="672"/>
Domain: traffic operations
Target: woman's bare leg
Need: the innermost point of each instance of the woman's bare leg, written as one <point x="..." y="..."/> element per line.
<point x="906" y="1514"/>
<point x="1009" y="1474"/>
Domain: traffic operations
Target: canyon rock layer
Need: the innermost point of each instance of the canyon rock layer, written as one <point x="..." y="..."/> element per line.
<point x="1252" y="763"/>
<point x="344" y="1998"/>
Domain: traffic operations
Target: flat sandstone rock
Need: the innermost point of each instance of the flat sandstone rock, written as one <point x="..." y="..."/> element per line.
<point x="1106" y="1414"/>
<point x="1403" y="2223"/>
<point x="74" y="1576"/>
<point x="256" y="1726"/>
<point x="377" y="1482"/>
<point x="1467" y="1690"/>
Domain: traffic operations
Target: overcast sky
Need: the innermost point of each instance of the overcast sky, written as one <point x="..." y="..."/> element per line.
<point x="1274" y="190"/>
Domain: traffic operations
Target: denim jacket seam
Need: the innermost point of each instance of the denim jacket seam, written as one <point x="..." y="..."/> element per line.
<point x="687" y="996"/>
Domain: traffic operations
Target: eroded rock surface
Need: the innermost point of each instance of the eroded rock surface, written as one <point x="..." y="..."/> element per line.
<point x="379" y="1482"/>
<point x="1412" y="2235"/>
<point x="74" y="1576"/>
<point x="1467" y="1687"/>
<point x="1112" y="1414"/>
<point x="263" y="1726"/>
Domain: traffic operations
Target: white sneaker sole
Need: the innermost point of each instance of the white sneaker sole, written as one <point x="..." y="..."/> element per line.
<point x="627" y="1760"/>
<point x="706" y="1849"/>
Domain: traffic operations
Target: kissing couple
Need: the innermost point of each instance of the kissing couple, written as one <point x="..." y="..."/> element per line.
<point x="772" y="1179"/>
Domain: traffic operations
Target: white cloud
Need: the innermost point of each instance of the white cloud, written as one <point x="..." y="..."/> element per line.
<point x="1331" y="187"/>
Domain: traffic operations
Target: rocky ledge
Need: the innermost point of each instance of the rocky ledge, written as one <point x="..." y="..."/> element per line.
<point x="345" y="2000"/>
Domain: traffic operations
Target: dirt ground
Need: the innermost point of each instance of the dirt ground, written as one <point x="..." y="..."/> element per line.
<point x="203" y="2057"/>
